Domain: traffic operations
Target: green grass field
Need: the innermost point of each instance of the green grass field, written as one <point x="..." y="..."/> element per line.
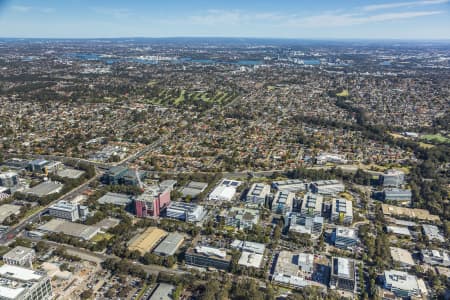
<point x="101" y="236"/>
<point x="437" y="138"/>
<point x="344" y="93"/>
<point x="180" y="97"/>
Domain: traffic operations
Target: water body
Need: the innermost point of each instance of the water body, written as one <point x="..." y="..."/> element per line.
<point x="109" y="60"/>
<point x="311" y="62"/>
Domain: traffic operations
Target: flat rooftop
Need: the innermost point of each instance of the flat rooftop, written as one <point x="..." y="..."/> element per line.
<point x="45" y="188"/>
<point x="73" y="229"/>
<point x="402" y="256"/>
<point x="7" y="210"/>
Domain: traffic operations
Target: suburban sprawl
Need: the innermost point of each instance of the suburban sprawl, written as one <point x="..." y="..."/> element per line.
<point x="224" y="169"/>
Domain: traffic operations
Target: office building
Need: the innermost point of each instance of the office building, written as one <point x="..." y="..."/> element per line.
<point x="290" y="185"/>
<point x="152" y="202"/>
<point x="397" y="195"/>
<point x="18" y="283"/>
<point x="225" y="191"/>
<point x="306" y="224"/>
<point x="163" y="291"/>
<point x="401" y="283"/>
<point x="208" y="257"/>
<point x="344" y="237"/>
<point x="249" y="259"/>
<point x="9" y="179"/>
<point x="146" y="241"/>
<point x="311" y="205"/>
<point x="240" y="218"/>
<point x="122" y="175"/>
<point x="293" y="269"/>
<point x="188" y="212"/>
<point x="327" y="187"/>
<point x="342" y="274"/>
<point x="342" y="211"/>
<point x="170" y="244"/>
<point x="432" y="233"/>
<point x="21" y="256"/>
<point x="283" y="202"/>
<point x="402" y="257"/>
<point x="258" y="194"/>
<point x="38" y="165"/>
<point x="69" y="211"/>
<point x="392" y="178"/>
<point x="435" y="257"/>
<point x="247" y="246"/>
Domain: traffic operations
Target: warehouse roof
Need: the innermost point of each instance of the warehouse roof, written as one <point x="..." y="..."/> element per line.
<point x="73" y="229"/>
<point x="170" y="244"/>
<point x="147" y="240"/>
<point x="402" y="256"/>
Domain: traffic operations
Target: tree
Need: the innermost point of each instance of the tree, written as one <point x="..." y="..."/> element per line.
<point x="86" y="295"/>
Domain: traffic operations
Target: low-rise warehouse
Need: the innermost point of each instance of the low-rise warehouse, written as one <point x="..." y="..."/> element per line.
<point x="45" y="188"/>
<point x="73" y="229"/>
<point x="170" y="244"/>
<point x="7" y="210"/>
<point x="147" y="240"/>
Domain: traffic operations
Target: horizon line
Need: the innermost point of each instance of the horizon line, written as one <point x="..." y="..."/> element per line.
<point x="231" y="37"/>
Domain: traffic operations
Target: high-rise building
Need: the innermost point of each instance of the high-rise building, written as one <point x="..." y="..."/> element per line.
<point x="151" y="202"/>
<point x="18" y="283"/>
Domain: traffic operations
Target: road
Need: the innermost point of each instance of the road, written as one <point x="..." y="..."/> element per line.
<point x="16" y="229"/>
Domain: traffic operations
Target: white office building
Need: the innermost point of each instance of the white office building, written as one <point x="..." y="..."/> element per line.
<point x="401" y="283"/>
<point x="311" y="205"/>
<point x="69" y="211"/>
<point x="18" y="283"/>
<point x="435" y="257"/>
<point x="342" y="211"/>
<point x="345" y="237"/>
<point x="225" y="191"/>
<point x="283" y="202"/>
<point x="188" y="212"/>
<point x="327" y="187"/>
<point x="258" y="193"/>
<point x="21" y="256"/>
<point x="392" y="178"/>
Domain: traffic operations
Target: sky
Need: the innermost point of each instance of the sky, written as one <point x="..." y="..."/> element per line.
<point x="312" y="19"/>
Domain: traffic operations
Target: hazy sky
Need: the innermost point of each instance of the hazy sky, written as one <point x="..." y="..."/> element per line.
<point x="406" y="19"/>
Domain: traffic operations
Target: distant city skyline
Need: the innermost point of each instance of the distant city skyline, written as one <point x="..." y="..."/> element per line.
<point x="352" y="19"/>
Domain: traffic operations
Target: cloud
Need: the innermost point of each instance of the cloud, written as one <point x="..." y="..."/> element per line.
<point x="233" y="17"/>
<point x="117" y="13"/>
<point x="27" y="9"/>
<point x="21" y="8"/>
<point x="409" y="4"/>
<point x="321" y="20"/>
<point x="340" y="20"/>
